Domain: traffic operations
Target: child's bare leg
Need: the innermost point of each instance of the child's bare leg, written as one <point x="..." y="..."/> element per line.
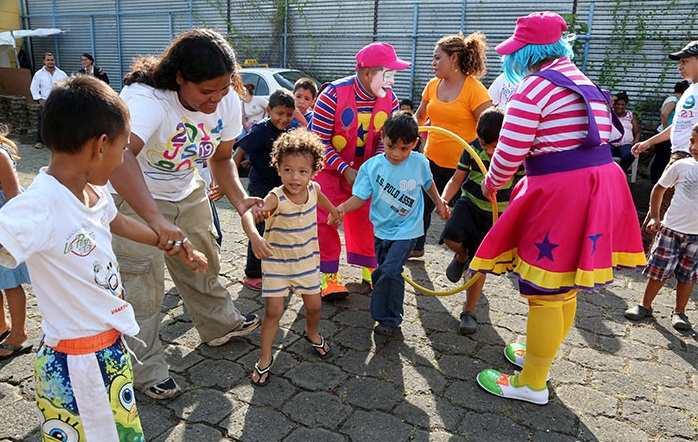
<point x="458" y="248"/>
<point x="17" y="306"/>
<point x="473" y="294"/>
<point x="651" y="291"/>
<point x="683" y="293"/>
<point x="4" y="325"/>
<point x="313" y="306"/>
<point x="273" y="309"/>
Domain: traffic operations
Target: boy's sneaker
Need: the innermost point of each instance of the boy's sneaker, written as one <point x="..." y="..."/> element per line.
<point x="680" y="321"/>
<point x="247" y="326"/>
<point x="638" y="312"/>
<point x="367" y="275"/>
<point x="504" y="385"/>
<point x="417" y="253"/>
<point x="166" y="389"/>
<point x="332" y="288"/>
<point x="385" y="330"/>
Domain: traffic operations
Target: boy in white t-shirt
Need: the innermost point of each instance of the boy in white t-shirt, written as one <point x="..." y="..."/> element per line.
<point x="61" y="226"/>
<point x="675" y="247"/>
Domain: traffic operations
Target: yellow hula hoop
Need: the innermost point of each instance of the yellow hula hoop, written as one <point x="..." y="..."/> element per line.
<point x="495" y="213"/>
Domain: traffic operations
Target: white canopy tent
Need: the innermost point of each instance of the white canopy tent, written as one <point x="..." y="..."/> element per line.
<point x="7" y="38"/>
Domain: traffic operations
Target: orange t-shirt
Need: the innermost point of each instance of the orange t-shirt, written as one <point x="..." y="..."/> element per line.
<point x="456" y="116"/>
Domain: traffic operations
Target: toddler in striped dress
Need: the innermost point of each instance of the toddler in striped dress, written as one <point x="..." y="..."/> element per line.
<point x="289" y="249"/>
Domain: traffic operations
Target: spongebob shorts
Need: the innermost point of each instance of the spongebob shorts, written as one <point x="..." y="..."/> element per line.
<point x="86" y="396"/>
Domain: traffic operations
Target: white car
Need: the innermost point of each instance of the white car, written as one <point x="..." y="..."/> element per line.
<point x="267" y="80"/>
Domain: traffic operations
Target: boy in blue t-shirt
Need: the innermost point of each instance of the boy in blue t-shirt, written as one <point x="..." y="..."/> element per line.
<point x="257" y="144"/>
<point x="394" y="182"/>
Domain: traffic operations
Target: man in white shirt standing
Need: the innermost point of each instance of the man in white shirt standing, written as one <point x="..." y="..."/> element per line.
<point x="41" y="86"/>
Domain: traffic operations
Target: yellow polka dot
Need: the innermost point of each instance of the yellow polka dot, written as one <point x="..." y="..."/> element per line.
<point x="339" y="142"/>
<point x="379" y="120"/>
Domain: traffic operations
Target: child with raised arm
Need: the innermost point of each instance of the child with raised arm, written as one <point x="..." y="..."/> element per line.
<point x="62" y="227"/>
<point x="394" y="181"/>
<point x="289" y="249"/>
<point x="675" y="247"/>
<point x="13" y="335"/>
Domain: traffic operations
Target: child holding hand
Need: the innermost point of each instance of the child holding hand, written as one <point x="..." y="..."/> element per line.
<point x="289" y="249"/>
<point x="62" y="227"/>
<point x="394" y="181"/>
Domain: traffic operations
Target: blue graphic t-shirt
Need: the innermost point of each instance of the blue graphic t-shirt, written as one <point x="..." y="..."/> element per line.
<point x="396" y="191"/>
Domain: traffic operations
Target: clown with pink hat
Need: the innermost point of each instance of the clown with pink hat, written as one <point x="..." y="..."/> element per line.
<point x="348" y="117"/>
<point x="571" y="220"/>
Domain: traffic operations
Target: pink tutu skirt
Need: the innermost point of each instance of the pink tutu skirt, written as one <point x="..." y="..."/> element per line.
<point x="565" y="230"/>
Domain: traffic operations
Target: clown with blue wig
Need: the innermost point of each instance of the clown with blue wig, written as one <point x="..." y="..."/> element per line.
<point x="571" y="220"/>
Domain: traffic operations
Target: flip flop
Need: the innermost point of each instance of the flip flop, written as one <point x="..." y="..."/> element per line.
<point x="5" y="334"/>
<point x="319" y="347"/>
<point x="15" y="349"/>
<point x="262" y="372"/>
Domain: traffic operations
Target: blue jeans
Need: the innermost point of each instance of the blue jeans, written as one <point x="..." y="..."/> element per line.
<point x="388" y="285"/>
<point x="626" y="156"/>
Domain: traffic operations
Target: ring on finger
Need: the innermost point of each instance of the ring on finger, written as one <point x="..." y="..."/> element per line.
<point x="178" y="243"/>
<point x="170" y="242"/>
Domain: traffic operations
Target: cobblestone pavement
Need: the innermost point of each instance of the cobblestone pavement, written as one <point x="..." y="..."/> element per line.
<point x="611" y="380"/>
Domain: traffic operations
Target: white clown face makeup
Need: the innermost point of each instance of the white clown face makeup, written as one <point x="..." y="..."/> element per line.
<point x="381" y="82"/>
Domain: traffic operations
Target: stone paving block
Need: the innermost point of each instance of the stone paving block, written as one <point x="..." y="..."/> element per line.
<point x="462" y="367"/>
<point x="275" y="394"/>
<point x="257" y="424"/>
<point x="622" y="386"/>
<point x="513" y="323"/>
<point x="599" y="428"/>
<point x="363" y="364"/>
<point x="435" y="436"/>
<point x="422" y="379"/>
<point x="487" y="426"/>
<point x="182" y="333"/>
<point x="601" y="326"/>
<point x="14" y="371"/>
<point x="679" y="359"/>
<point x="317" y="409"/>
<point x="370" y="393"/>
<point x="658" y="420"/>
<point x="216" y="373"/>
<point x="625" y="348"/>
<point x="233" y="350"/>
<point x="587" y="400"/>
<point x="9" y="394"/>
<point x="552" y="417"/>
<point x="316" y="376"/>
<point x="155" y="417"/>
<point x="353" y="318"/>
<point x="505" y="305"/>
<point x="429" y="412"/>
<point x="551" y="436"/>
<point x="180" y="358"/>
<point x="19" y="420"/>
<point x="413" y="332"/>
<point x="408" y="352"/>
<point x="363" y="426"/>
<point x="595" y="359"/>
<point x="680" y="398"/>
<point x="657" y="373"/>
<point x="448" y="343"/>
<point x="191" y="432"/>
<point x="487" y="334"/>
<point x="565" y="372"/>
<point x="355" y="338"/>
<point x="648" y="332"/>
<point x="439" y="321"/>
<point x="203" y="405"/>
<point x="314" y="434"/>
<point x="468" y="394"/>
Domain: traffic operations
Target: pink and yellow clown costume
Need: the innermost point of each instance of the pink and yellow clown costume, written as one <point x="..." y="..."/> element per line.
<point x="348" y="117"/>
<point x="571" y="220"/>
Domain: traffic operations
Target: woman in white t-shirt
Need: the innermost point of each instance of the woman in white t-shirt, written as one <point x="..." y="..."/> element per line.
<point x="182" y="111"/>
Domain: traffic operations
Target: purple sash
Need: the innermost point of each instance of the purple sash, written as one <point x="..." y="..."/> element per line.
<point x="591" y="152"/>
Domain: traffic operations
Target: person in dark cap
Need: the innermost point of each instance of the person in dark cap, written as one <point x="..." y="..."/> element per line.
<point x="571" y="219"/>
<point x="89" y="68"/>
<point x="679" y="132"/>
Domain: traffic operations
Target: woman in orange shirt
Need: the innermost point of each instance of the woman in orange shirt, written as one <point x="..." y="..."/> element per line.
<point x="453" y="100"/>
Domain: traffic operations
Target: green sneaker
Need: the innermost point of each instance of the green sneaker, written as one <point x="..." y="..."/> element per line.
<point x="515" y="353"/>
<point x="504" y="385"/>
<point x="367" y="275"/>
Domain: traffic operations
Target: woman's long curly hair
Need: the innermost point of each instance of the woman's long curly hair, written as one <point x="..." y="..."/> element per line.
<point x="198" y="55"/>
